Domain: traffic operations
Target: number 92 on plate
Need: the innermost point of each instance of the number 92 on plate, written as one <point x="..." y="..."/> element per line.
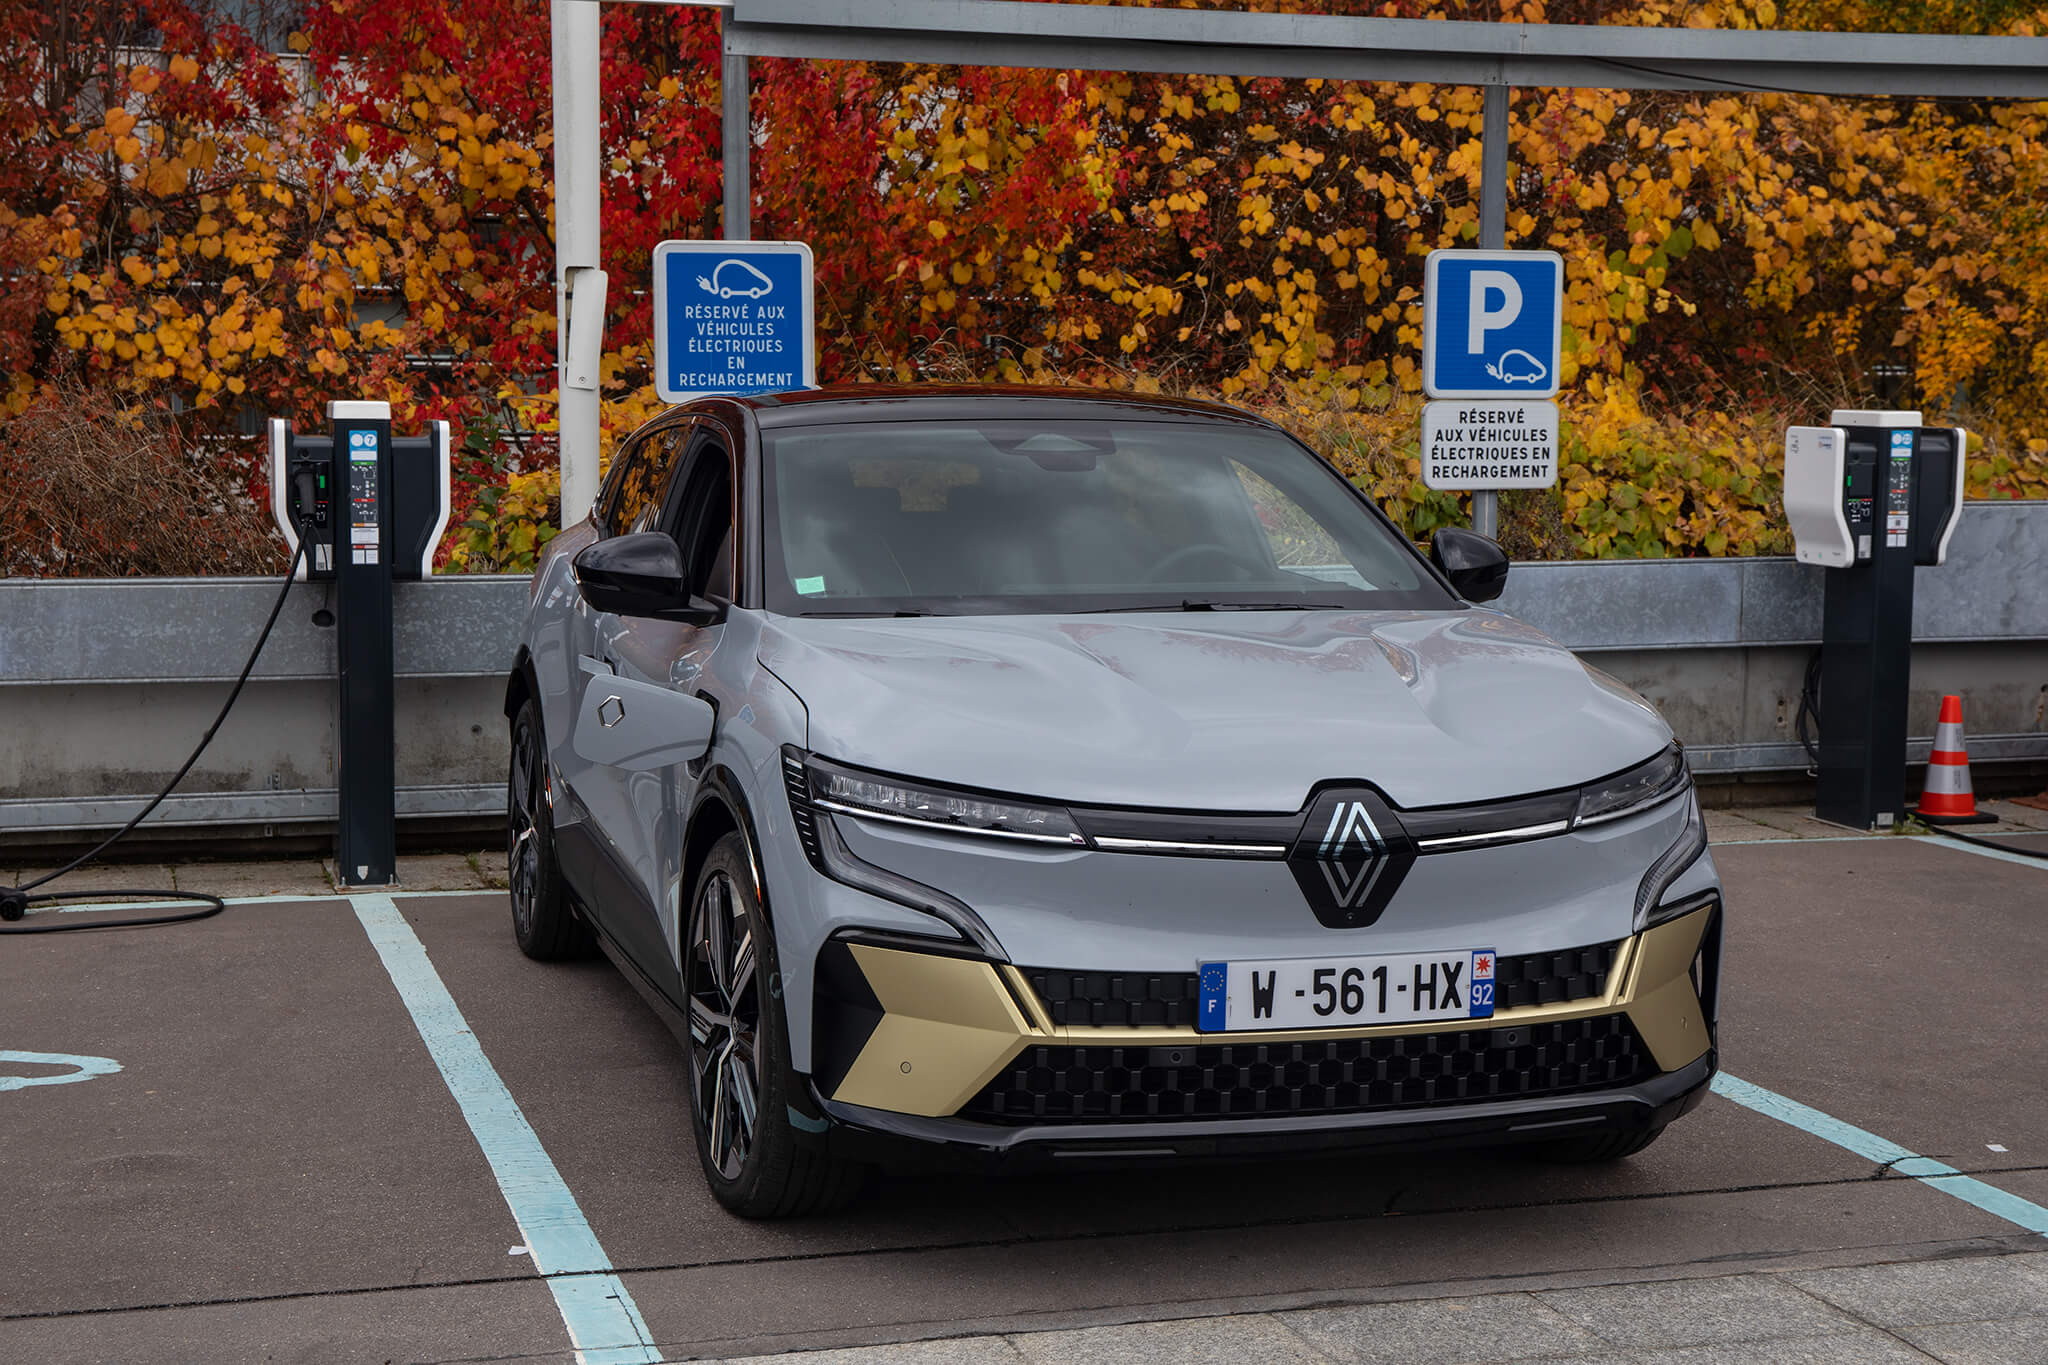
<point x="1345" y="992"/>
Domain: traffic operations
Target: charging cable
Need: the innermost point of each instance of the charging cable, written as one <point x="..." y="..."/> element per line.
<point x="1982" y="842"/>
<point x="15" y="900"/>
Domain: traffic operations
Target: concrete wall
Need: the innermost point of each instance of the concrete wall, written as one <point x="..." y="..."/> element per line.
<point x="105" y="685"/>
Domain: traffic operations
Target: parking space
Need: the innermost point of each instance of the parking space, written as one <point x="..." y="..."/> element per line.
<point x="275" y="1133"/>
<point x="288" y="1165"/>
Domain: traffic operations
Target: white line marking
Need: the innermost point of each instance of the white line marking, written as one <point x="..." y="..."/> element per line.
<point x="604" y="1323"/>
<point x="1934" y="1174"/>
<point x="1959" y="846"/>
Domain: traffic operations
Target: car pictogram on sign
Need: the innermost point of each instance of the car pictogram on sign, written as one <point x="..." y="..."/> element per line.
<point x="734" y="279"/>
<point x="1518" y="367"/>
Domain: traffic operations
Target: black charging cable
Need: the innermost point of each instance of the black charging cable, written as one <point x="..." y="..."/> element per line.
<point x="15" y="900"/>
<point x="1982" y="842"/>
<point x="1809" y="713"/>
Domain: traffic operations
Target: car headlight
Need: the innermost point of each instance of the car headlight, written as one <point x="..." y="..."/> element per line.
<point x="869" y="796"/>
<point x="1671" y="864"/>
<point x="1633" y="789"/>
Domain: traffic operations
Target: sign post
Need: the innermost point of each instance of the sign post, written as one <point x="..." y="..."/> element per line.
<point x="733" y="317"/>
<point x="1492" y="333"/>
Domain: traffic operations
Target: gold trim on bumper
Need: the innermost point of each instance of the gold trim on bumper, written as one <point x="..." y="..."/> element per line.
<point x="951" y="1024"/>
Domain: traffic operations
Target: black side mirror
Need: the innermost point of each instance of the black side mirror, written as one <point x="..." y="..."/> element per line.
<point x="641" y="575"/>
<point x="1476" y="566"/>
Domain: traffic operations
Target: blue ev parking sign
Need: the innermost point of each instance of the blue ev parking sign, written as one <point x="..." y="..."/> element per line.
<point x="1491" y="323"/>
<point x="732" y="317"/>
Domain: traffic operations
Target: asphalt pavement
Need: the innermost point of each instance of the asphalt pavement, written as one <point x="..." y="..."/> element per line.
<point x="321" y="1127"/>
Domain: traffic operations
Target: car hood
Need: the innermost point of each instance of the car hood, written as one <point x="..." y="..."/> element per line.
<point x="1225" y="711"/>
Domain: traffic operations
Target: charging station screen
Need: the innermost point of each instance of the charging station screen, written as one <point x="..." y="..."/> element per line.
<point x="362" y="496"/>
<point x="1898" y="506"/>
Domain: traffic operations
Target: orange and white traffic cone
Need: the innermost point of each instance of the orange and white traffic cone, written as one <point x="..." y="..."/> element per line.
<point x="1946" y="798"/>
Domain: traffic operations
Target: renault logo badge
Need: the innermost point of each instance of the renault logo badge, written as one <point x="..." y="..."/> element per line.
<point x="1350" y="857"/>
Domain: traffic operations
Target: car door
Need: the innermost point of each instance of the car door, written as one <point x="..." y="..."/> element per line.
<point x="653" y="804"/>
<point x="564" y="640"/>
<point x="600" y="853"/>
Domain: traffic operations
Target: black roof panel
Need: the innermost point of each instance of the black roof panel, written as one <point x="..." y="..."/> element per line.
<point x="955" y="402"/>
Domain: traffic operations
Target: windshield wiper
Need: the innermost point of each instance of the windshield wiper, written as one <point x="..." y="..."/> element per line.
<point x="1199" y="604"/>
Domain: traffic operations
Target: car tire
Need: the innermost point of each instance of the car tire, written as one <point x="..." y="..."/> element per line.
<point x="743" y="1088"/>
<point x="1595" y="1148"/>
<point x="544" y="921"/>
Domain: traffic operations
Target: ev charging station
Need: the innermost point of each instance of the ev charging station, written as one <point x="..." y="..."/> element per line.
<point x="370" y="509"/>
<point x="1871" y="496"/>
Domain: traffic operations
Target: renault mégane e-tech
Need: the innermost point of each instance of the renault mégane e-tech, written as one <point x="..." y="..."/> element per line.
<point x="1029" y="772"/>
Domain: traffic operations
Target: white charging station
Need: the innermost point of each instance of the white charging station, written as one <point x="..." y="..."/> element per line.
<point x="1871" y="497"/>
<point x="303" y="481"/>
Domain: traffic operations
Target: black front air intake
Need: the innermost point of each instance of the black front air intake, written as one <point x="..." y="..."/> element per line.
<point x="1313" y="1076"/>
<point x="801" y="813"/>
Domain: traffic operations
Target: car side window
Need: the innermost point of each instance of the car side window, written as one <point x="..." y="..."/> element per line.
<point x="634" y="494"/>
<point x="701" y="518"/>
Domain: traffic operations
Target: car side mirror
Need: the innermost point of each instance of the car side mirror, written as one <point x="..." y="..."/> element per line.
<point x="641" y="575"/>
<point x="1476" y="566"/>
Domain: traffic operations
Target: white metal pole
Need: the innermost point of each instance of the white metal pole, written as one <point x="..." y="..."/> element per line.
<point x="574" y="28"/>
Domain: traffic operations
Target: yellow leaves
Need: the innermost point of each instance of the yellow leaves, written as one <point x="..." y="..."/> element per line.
<point x="183" y="70"/>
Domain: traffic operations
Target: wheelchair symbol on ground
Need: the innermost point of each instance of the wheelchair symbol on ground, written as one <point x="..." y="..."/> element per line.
<point x="82" y="1068"/>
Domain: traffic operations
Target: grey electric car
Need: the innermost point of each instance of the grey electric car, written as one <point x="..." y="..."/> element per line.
<point x="1030" y="772"/>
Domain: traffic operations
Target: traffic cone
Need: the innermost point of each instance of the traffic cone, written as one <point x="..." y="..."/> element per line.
<point x="1946" y="798"/>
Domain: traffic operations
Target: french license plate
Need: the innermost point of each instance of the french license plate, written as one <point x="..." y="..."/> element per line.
<point x="1327" y="992"/>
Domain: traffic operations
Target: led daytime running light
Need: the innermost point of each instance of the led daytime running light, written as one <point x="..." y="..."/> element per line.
<point x="861" y="794"/>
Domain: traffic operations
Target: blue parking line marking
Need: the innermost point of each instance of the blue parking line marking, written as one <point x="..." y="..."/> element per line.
<point x="1934" y="1174"/>
<point x="604" y="1323"/>
<point x="82" y="1068"/>
<point x="273" y="898"/>
<point x="1798" y="839"/>
<point x="1959" y="846"/>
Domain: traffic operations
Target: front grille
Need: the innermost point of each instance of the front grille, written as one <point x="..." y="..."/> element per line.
<point x="1547" y="978"/>
<point x="1116" y="999"/>
<point x="1148" y="999"/>
<point x="1314" y="1076"/>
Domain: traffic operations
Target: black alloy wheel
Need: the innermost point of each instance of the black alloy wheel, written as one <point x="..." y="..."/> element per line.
<point x="543" y="921"/>
<point x="744" y="1093"/>
<point x="725" y="1024"/>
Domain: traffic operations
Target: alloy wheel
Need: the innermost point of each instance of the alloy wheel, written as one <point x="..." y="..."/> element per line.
<point x="725" y="1017"/>
<point x="526" y="806"/>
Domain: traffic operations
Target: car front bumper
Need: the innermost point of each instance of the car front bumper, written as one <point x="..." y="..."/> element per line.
<point x="877" y="1134"/>
<point x="946" y="1048"/>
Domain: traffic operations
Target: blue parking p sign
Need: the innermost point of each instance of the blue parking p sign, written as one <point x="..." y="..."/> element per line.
<point x="732" y="317"/>
<point x="1491" y="323"/>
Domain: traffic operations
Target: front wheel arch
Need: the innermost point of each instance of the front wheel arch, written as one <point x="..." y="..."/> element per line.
<point x="720" y="809"/>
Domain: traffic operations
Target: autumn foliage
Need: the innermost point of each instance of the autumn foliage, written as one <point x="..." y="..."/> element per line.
<point x="224" y="224"/>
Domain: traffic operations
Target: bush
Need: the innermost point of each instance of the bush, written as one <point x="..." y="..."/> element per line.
<point x="92" y="486"/>
<point x="510" y="525"/>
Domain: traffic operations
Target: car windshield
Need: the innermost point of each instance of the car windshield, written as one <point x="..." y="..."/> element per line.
<point x="1003" y="517"/>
